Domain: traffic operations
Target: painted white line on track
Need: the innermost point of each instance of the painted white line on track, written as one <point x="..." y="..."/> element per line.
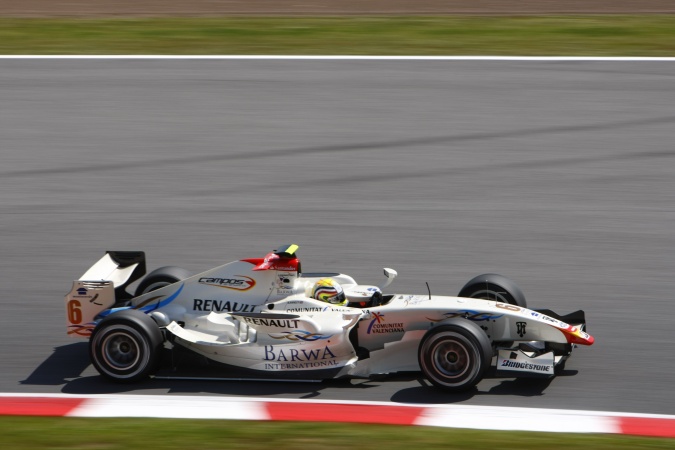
<point x="352" y="58"/>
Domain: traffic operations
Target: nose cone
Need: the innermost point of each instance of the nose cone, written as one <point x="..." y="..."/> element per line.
<point x="575" y="336"/>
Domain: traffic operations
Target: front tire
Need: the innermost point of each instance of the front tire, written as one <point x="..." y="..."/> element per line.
<point x="126" y="346"/>
<point x="491" y="286"/>
<point x="454" y="357"/>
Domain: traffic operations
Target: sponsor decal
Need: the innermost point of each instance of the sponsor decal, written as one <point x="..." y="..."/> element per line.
<point x="378" y="325"/>
<point x="507" y="307"/>
<point x="93" y="300"/>
<point x="297" y="358"/>
<point x="555" y="322"/>
<point x="300" y="335"/>
<point x="284" y="267"/>
<point x="520" y="328"/>
<point x="236" y="282"/>
<point x="302" y="365"/>
<point x="284" y="291"/>
<point x="301" y="310"/>
<point x="295" y="302"/>
<point x="562" y="326"/>
<point x="519" y="362"/>
<point x="82" y="293"/>
<point x="468" y="314"/>
<point x="285" y="281"/>
<point x="413" y="300"/>
<point x="510" y="364"/>
<point x="364" y="292"/>
<point x="277" y="323"/>
<point x="199" y="304"/>
<point x="82" y="330"/>
<point x="535" y="314"/>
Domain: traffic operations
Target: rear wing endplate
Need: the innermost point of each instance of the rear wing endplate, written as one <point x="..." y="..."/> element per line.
<point x="101" y="287"/>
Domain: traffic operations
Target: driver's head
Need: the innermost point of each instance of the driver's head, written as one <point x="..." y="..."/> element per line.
<point x="329" y="291"/>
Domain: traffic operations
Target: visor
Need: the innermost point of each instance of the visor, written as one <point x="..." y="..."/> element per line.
<point x="340" y="298"/>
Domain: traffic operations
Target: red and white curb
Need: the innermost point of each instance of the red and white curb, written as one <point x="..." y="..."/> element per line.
<point x="228" y="408"/>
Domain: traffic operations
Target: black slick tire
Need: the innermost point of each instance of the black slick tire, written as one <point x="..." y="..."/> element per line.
<point x="161" y="277"/>
<point x="491" y="286"/>
<point x="126" y="346"/>
<point x="454" y="356"/>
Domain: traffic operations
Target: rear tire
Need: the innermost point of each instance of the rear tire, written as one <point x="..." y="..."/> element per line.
<point x="454" y="357"/>
<point x="126" y="346"/>
<point x="491" y="286"/>
<point x="161" y="277"/>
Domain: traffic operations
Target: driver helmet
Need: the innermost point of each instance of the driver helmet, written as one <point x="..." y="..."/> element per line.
<point x="329" y="291"/>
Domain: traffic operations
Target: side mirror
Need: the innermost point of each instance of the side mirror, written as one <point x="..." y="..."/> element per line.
<point x="390" y="274"/>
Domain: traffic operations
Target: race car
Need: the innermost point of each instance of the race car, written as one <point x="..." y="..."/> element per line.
<point x="266" y="318"/>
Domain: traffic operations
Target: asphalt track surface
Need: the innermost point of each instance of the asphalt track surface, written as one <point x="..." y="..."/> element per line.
<point x="560" y="175"/>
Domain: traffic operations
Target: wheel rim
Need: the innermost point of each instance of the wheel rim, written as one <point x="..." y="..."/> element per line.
<point x="451" y="358"/>
<point x="121" y="351"/>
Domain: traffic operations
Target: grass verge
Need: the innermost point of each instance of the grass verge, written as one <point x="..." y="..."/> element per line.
<point x="447" y="35"/>
<point x="164" y="434"/>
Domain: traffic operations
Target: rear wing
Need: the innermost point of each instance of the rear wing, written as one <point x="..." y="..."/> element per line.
<point x="101" y="287"/>
<point x="122" y="268"/>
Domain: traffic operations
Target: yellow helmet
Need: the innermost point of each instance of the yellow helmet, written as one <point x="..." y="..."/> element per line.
<point x="327" y="290"/>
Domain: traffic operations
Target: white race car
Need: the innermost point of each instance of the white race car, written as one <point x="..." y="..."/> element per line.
<point x="258" y="316"/>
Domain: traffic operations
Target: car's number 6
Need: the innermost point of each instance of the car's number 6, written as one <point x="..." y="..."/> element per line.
<point x="74" y="312"/>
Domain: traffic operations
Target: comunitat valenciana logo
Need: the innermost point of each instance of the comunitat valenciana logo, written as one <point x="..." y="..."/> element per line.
<point x="237" y="282"/>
